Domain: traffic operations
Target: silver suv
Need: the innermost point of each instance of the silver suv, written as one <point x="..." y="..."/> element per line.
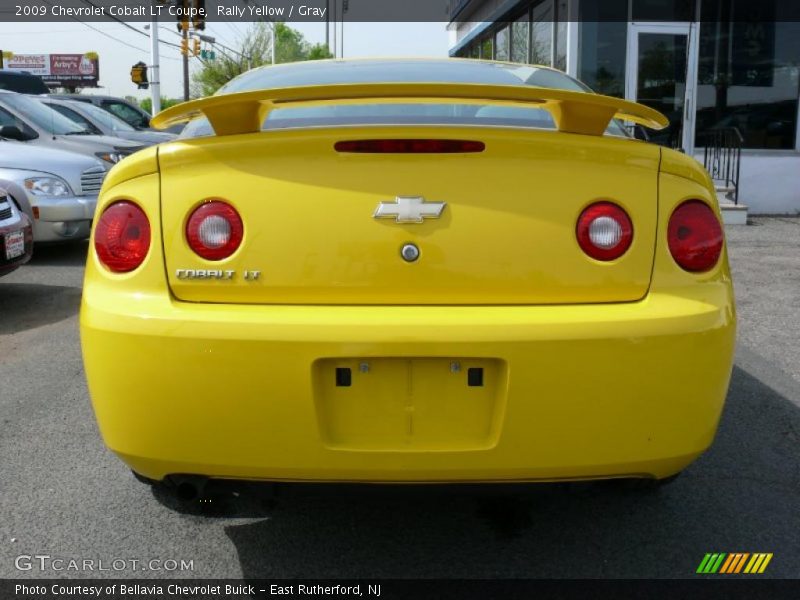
<point x="56" y="189"/>
<point x="28" y="120"/>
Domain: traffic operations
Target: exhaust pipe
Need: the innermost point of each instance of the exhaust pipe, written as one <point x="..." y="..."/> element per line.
<point x="188" y="488"/>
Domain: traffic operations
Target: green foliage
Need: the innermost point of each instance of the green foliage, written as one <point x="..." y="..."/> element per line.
<point x="147" y="103"/>
<point x="255" y="51"/>
<point x="319" y="51"/>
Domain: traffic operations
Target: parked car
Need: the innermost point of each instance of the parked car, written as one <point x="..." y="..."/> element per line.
<point x="27" y="119"/>
<point x="101" y="122"/>
<point x="22" y="82"/>
<point x="133" y="114"/>
<point x="16" y="236"/>
<point x="57" y="190"/>
<point x="407" y="286"/>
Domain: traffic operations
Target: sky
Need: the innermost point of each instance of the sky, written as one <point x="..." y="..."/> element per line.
<point x="119" y="47"/>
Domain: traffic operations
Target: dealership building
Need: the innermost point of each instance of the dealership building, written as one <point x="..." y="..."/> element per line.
<point x="725" y="72"/>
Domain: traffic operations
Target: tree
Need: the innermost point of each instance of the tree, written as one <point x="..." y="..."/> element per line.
<point x="255" y="51"/>
<point x="147" y="103"/>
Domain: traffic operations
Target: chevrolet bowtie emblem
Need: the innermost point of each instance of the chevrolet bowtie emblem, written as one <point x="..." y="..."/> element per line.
<point x="409" y="209"/>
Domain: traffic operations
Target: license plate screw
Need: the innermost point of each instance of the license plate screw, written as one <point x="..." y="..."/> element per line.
<point x="363" y="367"/>
<point x="455" y="367"/>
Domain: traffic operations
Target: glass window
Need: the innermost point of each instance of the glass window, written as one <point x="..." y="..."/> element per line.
<point x="663" y="10"/>
<point x="561" y="35"/>
<point x="424" y="113"/>
<point x="74" y="116"/>
<point x="749" y="73"/>
<point x="125" y="112"/>
<point x="106" y="119"/>
<point x="603" y="45"/>
<point x="542" y="34"/>
<point x="486" y="48"/>
<point x="43" y="117"/>
<point x="519" y="40"/>
<point x="501" y="42"/>
<point x="475" y="51"/>
<point x="6" y="118"/>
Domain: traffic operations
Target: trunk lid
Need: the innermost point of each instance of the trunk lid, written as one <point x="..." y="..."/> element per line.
<point x="505" y="236"/>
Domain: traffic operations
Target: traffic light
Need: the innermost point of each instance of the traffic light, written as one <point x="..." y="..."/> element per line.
<point x="139" y="75"/>
<point x="185" y="47"/>
<point x="198" y="19"/>
<point x="182" y="14"/>
<point x="196" y="48"/>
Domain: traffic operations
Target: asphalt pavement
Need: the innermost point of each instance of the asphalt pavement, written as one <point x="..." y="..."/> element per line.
<point x="63" y="495"/>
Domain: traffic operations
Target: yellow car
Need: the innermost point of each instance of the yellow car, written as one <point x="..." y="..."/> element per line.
<point x="407" y="271"/>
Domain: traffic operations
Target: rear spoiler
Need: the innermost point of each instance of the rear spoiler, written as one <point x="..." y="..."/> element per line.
<point x="573" y="112"/>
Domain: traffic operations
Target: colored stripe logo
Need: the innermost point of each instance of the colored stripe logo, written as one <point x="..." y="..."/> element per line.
<point x="735" y="562"/>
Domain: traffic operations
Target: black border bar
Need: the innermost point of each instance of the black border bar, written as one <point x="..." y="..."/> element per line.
<point x="444" y="11"/>
<point x="701" y="588"/>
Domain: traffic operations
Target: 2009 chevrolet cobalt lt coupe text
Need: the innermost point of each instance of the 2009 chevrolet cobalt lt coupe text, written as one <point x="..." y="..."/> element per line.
<point x="407" y="271"/>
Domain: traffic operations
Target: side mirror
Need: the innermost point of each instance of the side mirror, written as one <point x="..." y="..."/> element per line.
<point x="12" y="132"/>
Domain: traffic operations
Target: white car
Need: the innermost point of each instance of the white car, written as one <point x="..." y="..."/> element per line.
<point x="102" y="122"/>
<point x="56" y="189"/>
<point x="26" y="119"/>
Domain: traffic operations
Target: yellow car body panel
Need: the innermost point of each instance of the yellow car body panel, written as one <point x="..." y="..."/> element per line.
<point x="501" y="239"/>
<point x="585" y="369"/>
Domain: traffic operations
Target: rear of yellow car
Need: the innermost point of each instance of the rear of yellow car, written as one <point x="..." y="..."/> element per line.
<point x="415" y="303"/>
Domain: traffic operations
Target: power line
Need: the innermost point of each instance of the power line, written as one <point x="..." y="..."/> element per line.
<point x="119" y="41"/>
<point x="131" y="27"/>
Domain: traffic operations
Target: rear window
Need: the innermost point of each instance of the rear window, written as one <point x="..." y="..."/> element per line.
<point x="401" y="71"/>
<point x="488" y="115"/>
<point x="22" y="83"/>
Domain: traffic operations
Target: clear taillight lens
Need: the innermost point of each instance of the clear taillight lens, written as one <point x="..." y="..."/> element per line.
<point x="214" y="230"/>
<point x="122" y="237"/>
<point x="694" y="236"/>
<point x="604" y="231"/>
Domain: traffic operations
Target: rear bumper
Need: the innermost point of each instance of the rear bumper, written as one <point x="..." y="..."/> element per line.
<point x="242" y="391"/>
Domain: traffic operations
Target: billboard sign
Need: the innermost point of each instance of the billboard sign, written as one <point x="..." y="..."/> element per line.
<point x="58" y="70"/>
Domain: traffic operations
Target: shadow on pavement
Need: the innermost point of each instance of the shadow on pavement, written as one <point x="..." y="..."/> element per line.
<point x="28" y="305"/>
<point x="60" y="254"/>
<point x="741" y="496"/>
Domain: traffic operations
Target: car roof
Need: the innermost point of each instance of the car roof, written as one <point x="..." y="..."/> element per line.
<point x="80" y="97"/>
<point x="400" y="70"/>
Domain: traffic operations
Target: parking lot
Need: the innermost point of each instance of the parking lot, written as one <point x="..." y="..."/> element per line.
<point x="63" y="495"/>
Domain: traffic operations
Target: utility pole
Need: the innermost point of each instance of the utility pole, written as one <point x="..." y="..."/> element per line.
<point x="345" y="8"/>
<point x="274" y="41"/>
<point x="185" y="44"/>
<point x="328" y="24"/>
<point x="155" y="83"/>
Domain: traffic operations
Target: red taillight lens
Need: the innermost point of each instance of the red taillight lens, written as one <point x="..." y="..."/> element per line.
<point x="694" y="236"/>
<point x="604" y="231"/>
<point x="214" y="230"/>
<point x="122" y="237"/>
<point x="409" y="146"/>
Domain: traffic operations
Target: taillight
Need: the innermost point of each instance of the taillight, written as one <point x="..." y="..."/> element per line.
<point x="122" y="237"/>
<point x="694" y="236"/>
<point x="407" y="146"/>
<point x="604" y="231"/>
<point x="214" y="230"/>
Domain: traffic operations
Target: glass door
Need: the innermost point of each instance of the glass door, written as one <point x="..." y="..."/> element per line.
<point x="662" y="74"/>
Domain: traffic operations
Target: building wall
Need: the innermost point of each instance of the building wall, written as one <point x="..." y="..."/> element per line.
<point x="770" y="184"/>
